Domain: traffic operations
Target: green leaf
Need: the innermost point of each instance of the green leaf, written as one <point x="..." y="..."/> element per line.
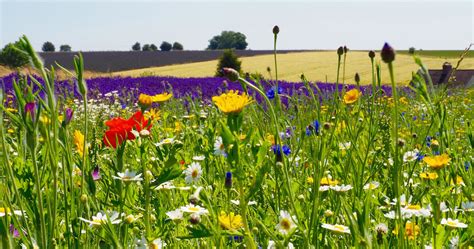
<point x="171" y="171"/>
<point x="199" y="231"/>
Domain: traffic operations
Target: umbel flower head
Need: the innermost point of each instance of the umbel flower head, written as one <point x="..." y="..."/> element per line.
<point x="438" y="161"/>
<point x="352" y="96"/>
<point x="230" y="221"/>
<point x="232" y="102"/>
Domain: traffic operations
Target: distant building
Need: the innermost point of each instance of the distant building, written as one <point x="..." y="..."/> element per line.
<point x="462" y="77"/>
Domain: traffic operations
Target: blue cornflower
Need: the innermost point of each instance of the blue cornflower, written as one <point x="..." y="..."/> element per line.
<point x="467" y="165"/>
<point x="271" y="92"/>
<point x="277" y="149"/>
<point x="419" y="156"/>
<point x="313" y="128"/>
<point x="228" y="180"/>
<point x="414" y="118"/>
<point x="286" y="149"/>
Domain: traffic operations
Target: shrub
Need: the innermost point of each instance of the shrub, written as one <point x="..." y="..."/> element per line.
<point x="228" y="59"/>
<point x="12" y="57"/>
<point x="48" y="47"/>
<point x="65" y="48"/>
<point x="177" y="46"/>
<point x="166" y="46"/>
<point x="136" y="47"/>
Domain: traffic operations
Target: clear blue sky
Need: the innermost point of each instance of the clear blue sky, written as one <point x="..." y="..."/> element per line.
<point x="116" y="25"/>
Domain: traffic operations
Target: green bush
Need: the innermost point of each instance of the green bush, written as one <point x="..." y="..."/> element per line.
<point x="166" y="46"/>
<point x="48" y="47"/>
<point x="12" y="57"/>
<point x="177" y="46"/>
<point x="228" y="59"/>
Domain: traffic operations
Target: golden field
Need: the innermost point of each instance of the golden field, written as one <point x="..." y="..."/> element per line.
<point x="317" y="66"/>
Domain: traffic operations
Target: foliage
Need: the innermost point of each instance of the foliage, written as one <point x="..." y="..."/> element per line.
<point x="228" y="59"/>
<point x="166" y="46"/>
<point x="136" y="46"/>
<point x="228" y="40"/>
<point x="146" y="47"/>
<point x="12" y="57"/>
<point x="177" y="46"/>
<point x="65" y="48"/>
<point x="48" y="47"/>
<point x="153" y="47"/>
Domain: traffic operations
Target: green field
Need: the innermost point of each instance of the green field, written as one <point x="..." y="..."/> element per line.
<point x="317" y="66"/>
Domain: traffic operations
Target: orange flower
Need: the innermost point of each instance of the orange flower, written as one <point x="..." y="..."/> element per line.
<point x="352" y="96"/>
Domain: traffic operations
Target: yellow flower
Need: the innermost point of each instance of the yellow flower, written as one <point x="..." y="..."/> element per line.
<point x="45" y="120"/>
<point x="411" y="230"/>
<point x="328" y="181"/>
<point x="79" y="142"/>
<point x="10" y="130"/>
<point x="152" y="114"/>
<point x="178" y="127"/>
<point x="145" y="100"/>
<point x="437" y="162"/>
<point x="428" y="175"/>
<point x="459" y="181"/>
<point x="232" y="102"/>
<point x="12" y="110"/>
<point x="403" y="100"/>
<point x="270" y="138"/>
<point x="160" y="98"/>
<point x="309" y="180"/>
<point x="230" y="221"/>
<point x="352" y="96"/>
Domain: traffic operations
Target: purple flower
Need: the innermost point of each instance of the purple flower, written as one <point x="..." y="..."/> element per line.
<point x="14" y="231"/>
<point x="228" y="179"/>
<point x="96" y="173"/>
<point x="271" y="92"/>
<point x="30" y="109"/>
<point x="68" y="114"/>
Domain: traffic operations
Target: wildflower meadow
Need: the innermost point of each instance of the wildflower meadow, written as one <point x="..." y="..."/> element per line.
<point x="235" y="162"/>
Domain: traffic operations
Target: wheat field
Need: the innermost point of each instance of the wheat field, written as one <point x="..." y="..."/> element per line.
<point x="317" y="66"/>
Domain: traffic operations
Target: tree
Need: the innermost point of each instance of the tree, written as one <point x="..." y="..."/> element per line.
<point x="228" y="59"/>
<point x="228" y="40"/>
<point x="153" y="47"/>
<point x="146" y="47"/>
<point x="166" y="46"/>
<point x="411" y="50"/>
<point x="136" y="47"/>
<point x="48" y="47"/>
<point x="65" y="48"/>
<point x="12" y="57"/>
<point x="177" y="46"/>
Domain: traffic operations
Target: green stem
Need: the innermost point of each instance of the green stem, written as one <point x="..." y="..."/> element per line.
<point x="39" y="192"/>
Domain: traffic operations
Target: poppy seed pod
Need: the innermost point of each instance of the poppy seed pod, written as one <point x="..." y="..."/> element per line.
<point x="230" y="73"/>
<point x="387" y="53"/>
<point x="346" y="50"/>
<point x="276" y="30"/>
<point x="340" y="50"/>
<point x="371" y="54"/>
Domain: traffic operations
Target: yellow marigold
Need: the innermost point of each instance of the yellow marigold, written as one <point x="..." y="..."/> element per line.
<point x="230" y="221"/>
<point x="309" y="180"/>
<point x="232" y="102"/>
<point x="352" y="96"/>
<point x="270" y="138"/>
<point x="160" y="98"/>
<point x="145" y="100"/>
<point x="152" y="114"/>
<point x="437" y="162"/>
<point x="79" y="142"/>
<point x="429" y="175"/>
<point x="328" y="181"/>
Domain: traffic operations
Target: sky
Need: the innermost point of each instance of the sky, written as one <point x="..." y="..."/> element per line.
<point x="88" y="25"/>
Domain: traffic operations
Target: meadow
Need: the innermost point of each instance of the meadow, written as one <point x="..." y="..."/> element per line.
<point x="236" y="162"/>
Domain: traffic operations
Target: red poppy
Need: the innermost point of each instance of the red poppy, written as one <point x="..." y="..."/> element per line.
<point x="121" y="129"/>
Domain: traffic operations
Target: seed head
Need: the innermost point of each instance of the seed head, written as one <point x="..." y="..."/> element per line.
<point x="276" y="30"/>
<point x="371" y="54"/>
<point x="340" y="50"/>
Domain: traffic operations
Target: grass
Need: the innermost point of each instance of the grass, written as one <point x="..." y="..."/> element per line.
<point x="317" y="66"/>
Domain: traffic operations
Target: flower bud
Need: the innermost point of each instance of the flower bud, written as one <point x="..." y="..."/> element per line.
<point x="68" y="116"/>
<point x="276" y="30"/>
<point x="195" y="219"/>
<point x="371" y="54"/>
<point x="327" y="126"/>
<point x="228" y="180"/>
<point x="340" y="50"/>
<point x="357" y="78"/>
<point x="30" y="109"/>
<point x="84" y="198"/>
<point x="230" y="73"/>
<point x="346" y="50"/>
<point x="387" y="53"/>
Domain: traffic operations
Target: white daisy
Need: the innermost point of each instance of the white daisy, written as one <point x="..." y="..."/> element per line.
<point x="341" y="188"/>
<point x="273" y="245"/>
<point x="175" y="214"/>
<point x="194" y="209"/>
<point x="336" y="228"/>
<point x="410" y="156"/>
<point x="103" y="218"/>
<point x="5" y="211"/>
<point x="193" y="173"/>
<point x="345" y="146"/>
<point x="468" y="206"/>
<point x="219" y="147"/>
<point x="371" y="185"/>
<point x="454" y="242"/>
<point x="287" y="223"/>
<point x="453" y="223"/>
<point x="323" y="188"/>
<point x="128" y="176"/>
<point x="237" y="202"/>
<point x="165" y="141"/>
<point x="199" y="158"/>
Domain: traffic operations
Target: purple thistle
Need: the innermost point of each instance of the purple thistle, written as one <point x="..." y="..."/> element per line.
<point x="14" y="231"/>
<point x="30" y="109"/>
